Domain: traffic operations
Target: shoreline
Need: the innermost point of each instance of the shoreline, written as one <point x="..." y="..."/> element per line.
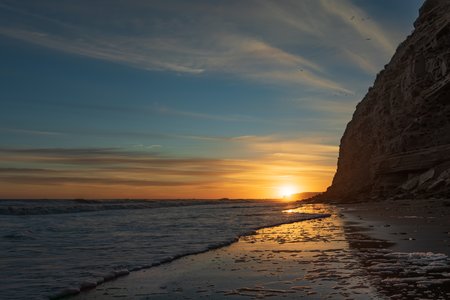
<point x="119" y="274"/>
<point x="306" y="259"/>
<point x="262" y="265"/>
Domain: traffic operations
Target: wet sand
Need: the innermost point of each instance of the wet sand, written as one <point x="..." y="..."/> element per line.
<point x="415" y="263"/>
<point x="418" y="225"/>
<point x="363" y="251"/>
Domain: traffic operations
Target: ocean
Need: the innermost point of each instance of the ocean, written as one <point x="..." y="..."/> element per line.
<point x="50" y="248"/>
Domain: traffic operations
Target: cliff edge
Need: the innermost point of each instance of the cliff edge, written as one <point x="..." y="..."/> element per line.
<point x="397" y="144"/>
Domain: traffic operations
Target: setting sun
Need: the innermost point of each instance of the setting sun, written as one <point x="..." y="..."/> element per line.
<point x="287" y="191"/>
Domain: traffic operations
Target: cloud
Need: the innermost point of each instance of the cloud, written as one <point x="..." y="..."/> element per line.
<point x="197" y="115"/>
<point x="49" y="180"/>
<point x="145" y="110"/>
<point x="268" y="41"/>
<point x="359" y="21"/>
<point x="300" y="76"/>
<point x="363" y="62"/>
<point x="295" y="43"/>
<point x="30" y="132"/>
<point x="101" y="48"/>
<point x="243" y="49"/>
<point x="162" y="44"/>
<point x="273" y="160"/>
<point x="247" y="58"/>
<point x="339" y="107"/>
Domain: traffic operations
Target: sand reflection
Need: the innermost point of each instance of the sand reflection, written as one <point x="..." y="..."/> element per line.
<point x="304" y="259"/>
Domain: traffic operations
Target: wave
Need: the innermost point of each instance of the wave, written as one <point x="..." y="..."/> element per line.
<point x="52" y="260"/>
<point x="84" y="286"/>
<point x="47" y="207"/>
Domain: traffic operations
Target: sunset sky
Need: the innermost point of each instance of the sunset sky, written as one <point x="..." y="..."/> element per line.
<point x="184" y="99"/>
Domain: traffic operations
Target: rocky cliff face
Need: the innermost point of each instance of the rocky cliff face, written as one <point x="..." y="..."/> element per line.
<point x="398" y="142"/>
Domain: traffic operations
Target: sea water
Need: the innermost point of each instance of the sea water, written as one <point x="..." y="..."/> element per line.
<point x="53" y="247"/>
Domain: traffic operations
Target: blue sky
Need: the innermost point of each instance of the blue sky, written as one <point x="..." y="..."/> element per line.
<point x="167" y="99"/>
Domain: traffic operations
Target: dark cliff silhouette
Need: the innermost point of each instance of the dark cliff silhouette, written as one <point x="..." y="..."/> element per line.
<point x="397" y="144"/>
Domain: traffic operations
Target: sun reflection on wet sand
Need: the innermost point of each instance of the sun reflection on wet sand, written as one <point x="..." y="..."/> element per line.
<point x="309" y="259"/>
<point x="309" y="209"/>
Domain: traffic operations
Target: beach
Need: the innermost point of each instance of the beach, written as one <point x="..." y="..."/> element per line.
<point x="225" y="150"/>
<point x="309" y="258"/>
<point x="382" y="250"/>
<point x="412" y="259"/>
<point x="54" y="248"/>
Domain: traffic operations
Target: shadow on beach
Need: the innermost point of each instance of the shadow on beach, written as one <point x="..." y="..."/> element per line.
<point x="414" y="263"/>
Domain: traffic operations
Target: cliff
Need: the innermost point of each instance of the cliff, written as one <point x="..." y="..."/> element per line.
<point x="398" y="141"/>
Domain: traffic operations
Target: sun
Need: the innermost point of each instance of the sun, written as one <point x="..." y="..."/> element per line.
<point x="287" y="191"/>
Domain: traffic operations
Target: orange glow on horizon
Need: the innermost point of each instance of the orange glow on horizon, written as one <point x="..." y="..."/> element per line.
<point x="134" y="176"/>
<point x="286" y="191"/>
<point x="257" y="190"/>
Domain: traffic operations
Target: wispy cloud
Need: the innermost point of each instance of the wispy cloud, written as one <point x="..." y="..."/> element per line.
<point x="359" y="60"/>
<point x="336" y="26"/>
<point x="335" y="107"/>
<point x="241" y="56"/>
<point x="148" y="109"/>
<point x="206" y="116"/>
<point x="30" y="131"/>
<point x="361" y="23"/>
<point x="103" y="48"/>
<point x="228" y="38"/>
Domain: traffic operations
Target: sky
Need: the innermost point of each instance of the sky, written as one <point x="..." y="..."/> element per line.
<point x="184" y="99"/>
